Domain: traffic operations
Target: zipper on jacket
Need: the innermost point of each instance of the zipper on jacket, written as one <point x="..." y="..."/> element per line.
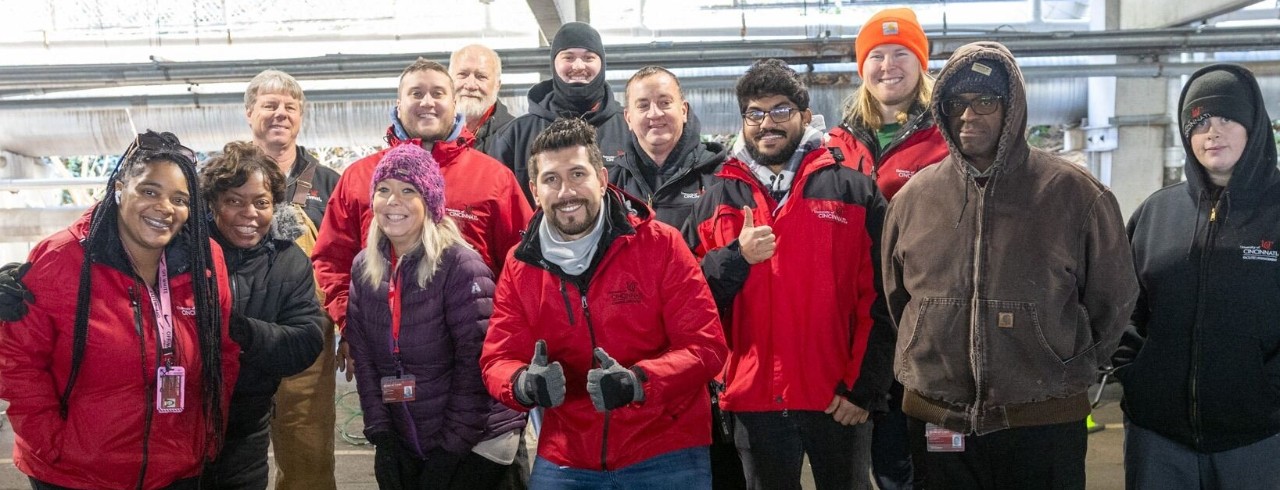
<point x="1193" y="388"/>
<point x="975" y="332"/>
<point x="604" y="433"/>
<point x="150" y="396"/>
<point x="568" y="307"/>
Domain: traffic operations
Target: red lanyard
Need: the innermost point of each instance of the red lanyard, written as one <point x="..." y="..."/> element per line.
<point x="393" y="297"/>
<point x="162" y="308"/>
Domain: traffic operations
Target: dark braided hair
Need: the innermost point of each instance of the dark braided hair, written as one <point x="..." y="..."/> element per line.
<point x="152" y="147"/>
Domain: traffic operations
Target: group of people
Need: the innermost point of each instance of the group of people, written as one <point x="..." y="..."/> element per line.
<point x="915" y="299"/>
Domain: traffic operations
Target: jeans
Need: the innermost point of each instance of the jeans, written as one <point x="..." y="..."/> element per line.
<point x="1044" y="457"/>
<point x="683" y="469"/>
<point x="1152" y="461"/>
<point x="773" y="446"/>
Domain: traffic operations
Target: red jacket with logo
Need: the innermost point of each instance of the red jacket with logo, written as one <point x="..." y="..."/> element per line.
<point x="810" y="322"/>
<point x="481" y="195"/>
<point x="104" y="440"/>
<point x="645" y="302"/>
<point x="917" y="145"/>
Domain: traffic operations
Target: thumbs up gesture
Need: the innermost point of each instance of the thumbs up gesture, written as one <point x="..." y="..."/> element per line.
<point x="611" y="385"/>
<point x="541" y="384"/>
<point x="757" y="243"/>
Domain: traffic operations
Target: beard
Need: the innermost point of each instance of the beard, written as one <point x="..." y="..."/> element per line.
<point x="473" y="109"/>
<point x="570" y="228"/>
<point x="778" y="158"/>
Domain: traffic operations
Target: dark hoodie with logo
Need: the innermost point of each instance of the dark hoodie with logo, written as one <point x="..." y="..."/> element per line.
<point x="1008" y="296"/>
<point x="546" y="104"/>
<point x="1201" y="362"/>
<point x="671" y="189"/>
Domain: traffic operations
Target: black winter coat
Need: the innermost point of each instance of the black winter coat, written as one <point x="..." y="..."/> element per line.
<point x="511" y="146"/>
<point x="1201" y="362"/>
<point x="681" y="180"/>
<point x="488" y="132"/>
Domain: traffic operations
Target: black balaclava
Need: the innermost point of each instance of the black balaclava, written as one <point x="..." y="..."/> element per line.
<point x="578" y="98"/>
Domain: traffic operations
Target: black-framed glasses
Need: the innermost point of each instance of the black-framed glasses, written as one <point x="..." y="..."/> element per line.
<point x="779" y="115"/>
<point x="981" y="105"/>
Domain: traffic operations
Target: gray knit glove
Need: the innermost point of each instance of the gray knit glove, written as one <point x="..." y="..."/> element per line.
<point x="611" y="385"/>
<point x="542" y="383"/>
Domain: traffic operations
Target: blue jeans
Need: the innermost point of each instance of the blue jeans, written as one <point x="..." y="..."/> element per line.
<point x="1152" y="461"/>
<point x="684" y="469"/>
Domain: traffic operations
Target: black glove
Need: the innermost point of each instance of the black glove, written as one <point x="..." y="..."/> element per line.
<point x="611" y="385"/>
<point x="438" y="471"/>
<point x="240" y="330"/>
<point x="541" y="384"/>
<point x="14" y="295"/>
<point x="388" y="456"/>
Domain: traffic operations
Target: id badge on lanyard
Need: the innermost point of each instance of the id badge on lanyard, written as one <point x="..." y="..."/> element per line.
<point x="171" y="381"/>
<point x="401" y="387"/>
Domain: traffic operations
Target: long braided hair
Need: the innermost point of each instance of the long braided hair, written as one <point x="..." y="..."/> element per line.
<point x="148" y="148"/>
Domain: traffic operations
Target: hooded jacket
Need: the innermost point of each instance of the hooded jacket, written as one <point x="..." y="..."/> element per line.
<point x="917" y="144"/>
<point x="645" y="303"/>
<point x="808" y="323"/>
<point x="111" y="429"/>
<point x="512" y="144"/>
<point x="1201" y="363"/>
<point x="1008" y="296"/>
<point x="442" y="328"/>
<point x="681" y="180"/>
<point x="276" y="319"/>
<point x="481" y="196"/>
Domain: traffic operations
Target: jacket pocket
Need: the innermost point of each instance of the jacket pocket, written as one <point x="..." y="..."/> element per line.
<point x="1018" y="361"/>
<point x="1235" y="393"/>
<point x="934" y="350"/>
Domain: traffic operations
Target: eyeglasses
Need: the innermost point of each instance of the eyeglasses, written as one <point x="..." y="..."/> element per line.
<point x="981" y="105"/>
<point x="779" y="115"/>
<point x="151" y="144"/>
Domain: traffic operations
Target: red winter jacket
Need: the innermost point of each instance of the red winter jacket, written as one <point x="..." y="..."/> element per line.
<point x="647" y="305"/>
<point x="101" y="443"/>
<point x="917" y="145"/>
<point x="481" y="195"/>
<point x="808" y="323"/>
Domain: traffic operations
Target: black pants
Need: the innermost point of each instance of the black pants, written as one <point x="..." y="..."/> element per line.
<point x="187" y="484"/>
<point x="773" y="446"/>
<point x="242" y="463"/>
<point x="890" y="453"/>
<point x="472" y="471"/>
<point x="1046" y="457"/>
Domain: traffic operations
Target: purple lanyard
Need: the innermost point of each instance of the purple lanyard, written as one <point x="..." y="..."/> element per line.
<point x="162" y="308"/>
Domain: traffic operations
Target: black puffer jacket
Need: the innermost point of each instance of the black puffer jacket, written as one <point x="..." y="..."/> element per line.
<point x="275" y="317"/>
<point x="1201" y="362"/>
<point x="680" y="181"/>
<point x="511" y="145"/>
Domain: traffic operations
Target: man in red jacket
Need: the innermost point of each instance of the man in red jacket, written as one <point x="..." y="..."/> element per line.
<point x="789" y="239"/>
<point x="481" y="196"/>
<point x="621" y="328"/>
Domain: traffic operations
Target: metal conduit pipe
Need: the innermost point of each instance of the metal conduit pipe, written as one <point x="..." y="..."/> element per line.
<point x="1155" y="42"/>
<point x="1127" y="70"/>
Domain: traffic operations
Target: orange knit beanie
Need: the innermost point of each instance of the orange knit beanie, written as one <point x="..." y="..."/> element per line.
<point x="892" y="26"/>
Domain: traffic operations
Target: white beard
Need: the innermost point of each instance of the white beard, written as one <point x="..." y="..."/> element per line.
<point x="472" y="109"/>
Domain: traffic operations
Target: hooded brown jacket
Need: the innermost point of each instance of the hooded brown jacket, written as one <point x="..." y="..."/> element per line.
<point x="1008" y="296"/>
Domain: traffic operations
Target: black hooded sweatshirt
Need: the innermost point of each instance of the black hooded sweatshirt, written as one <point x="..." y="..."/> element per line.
<point x="1201" y="362"/>
<point x="672" y="188"/>
<point x="511" y="145"/>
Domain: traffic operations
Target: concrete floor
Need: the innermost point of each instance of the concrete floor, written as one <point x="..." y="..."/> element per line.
<point x="1104" y="463"/>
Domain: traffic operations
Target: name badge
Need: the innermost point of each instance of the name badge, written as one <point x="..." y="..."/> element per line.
<point x="171" y="389"/>
<point x="396" y="389"/>
<point x="940" y="440"/>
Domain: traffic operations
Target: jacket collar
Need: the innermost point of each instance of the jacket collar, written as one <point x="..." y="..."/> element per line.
<point x="626" y="212"/>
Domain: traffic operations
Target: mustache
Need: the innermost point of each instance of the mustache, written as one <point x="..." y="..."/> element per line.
<point x="566" y="204"/>
<point x="768" y="132"/>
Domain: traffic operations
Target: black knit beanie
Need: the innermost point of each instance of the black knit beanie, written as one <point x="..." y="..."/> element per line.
<point x="979" y="77"/>
<point x="577" y="35"/>
<point x="574" y="99"/>
<point x="1217" y="93"/>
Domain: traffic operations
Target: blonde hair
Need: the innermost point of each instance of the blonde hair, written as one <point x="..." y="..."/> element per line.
<point x="273" y="82"/>
<point x="434" y="241"/>
<point x="862" y="109"/>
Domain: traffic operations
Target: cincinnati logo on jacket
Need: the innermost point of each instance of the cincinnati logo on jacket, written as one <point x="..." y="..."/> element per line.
<point x="464" y="213"/>
<point x="187" y="310"/>
<point x="1264" y="251"/>
<point x="628" y="296"/>
<point x="830" y="215"/>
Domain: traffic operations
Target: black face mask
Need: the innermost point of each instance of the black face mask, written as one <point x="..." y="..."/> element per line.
<point x="576" y="98"/>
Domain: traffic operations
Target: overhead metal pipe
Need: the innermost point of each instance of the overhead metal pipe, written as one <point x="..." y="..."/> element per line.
<point x="1153" y="43"/>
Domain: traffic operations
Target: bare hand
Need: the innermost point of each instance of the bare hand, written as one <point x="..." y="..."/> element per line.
<point x="845" y="412"/>
<point x="757" y="243"/>
<point x="345" y="363"/>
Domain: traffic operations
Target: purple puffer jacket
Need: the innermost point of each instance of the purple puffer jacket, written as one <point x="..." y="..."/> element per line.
<point x="442" y="331"/>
